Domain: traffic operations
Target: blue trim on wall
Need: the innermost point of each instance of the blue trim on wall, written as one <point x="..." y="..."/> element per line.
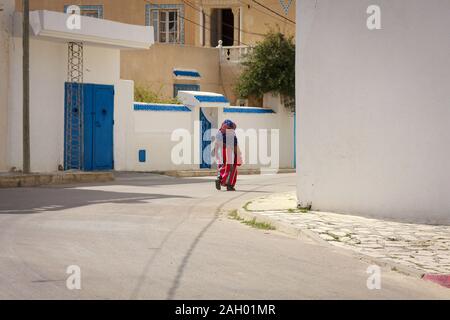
<point x="183" y="73"/>
<point x="99" y="9"/>
<point x="205" y="143"/>
<point x="155" y="7"/>
<point x="247" y="110"/>
<point x="160" y="107"/>
<point x="211" y="99"/>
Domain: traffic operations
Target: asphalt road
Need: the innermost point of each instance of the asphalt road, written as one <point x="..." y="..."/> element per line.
<point x="153" y="237"/>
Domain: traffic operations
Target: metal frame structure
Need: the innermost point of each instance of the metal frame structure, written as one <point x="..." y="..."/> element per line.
<point x="74" y="113"/>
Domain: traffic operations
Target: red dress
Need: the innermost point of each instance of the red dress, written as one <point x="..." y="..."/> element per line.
<point x="228" y="161"/>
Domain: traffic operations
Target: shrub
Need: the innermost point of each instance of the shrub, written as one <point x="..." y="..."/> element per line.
<point x="147" y="95"/>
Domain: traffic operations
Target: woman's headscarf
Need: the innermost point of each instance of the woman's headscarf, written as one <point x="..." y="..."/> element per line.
<point x="228" y="136"/>
<point x="228" y="125"/>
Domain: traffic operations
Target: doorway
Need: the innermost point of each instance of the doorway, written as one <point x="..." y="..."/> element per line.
<point x="222" y="27"/>
<point x="209" y="122"/>
<point x="89" y="139"/>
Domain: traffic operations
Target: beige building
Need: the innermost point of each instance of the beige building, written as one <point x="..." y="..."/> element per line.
<point x="187" y="33"/>
<point x="190" y="22"/>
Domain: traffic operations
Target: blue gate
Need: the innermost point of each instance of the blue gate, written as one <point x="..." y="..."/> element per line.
<point x="204" y="142"/>
<point x="97" y="127"/>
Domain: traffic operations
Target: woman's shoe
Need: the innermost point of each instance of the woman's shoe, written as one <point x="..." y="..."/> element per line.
<point x="218" y="187"/>
<point x="230" y="188"/>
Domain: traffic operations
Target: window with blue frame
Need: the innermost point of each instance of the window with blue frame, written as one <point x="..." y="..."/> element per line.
<point x="94" y="11"/>
<point x="167" y="21"/>
<point x="184" y="87"/>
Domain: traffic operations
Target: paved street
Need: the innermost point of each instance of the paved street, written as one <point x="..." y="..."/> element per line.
<point x="154" y="237"/>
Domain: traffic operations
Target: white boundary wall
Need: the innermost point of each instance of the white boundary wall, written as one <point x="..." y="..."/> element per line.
<point x="152" y="133"/>
<point x="374" y="108"/>
<point x="152" y="130"/>
<point x="280" y="120"/>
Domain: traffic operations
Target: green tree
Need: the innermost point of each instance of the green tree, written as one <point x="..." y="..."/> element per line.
<point x="270" y="67"/>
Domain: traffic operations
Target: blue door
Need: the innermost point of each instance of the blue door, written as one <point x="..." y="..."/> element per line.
<point x="103" y="120"/>
<point x="98" y="121"/>
<point x="205" y="143"/>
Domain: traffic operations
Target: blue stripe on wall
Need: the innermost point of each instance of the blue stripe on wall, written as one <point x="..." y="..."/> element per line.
<point x="181" y="73"/>
<point x="159" y="107"/>
<point x="247" y="110"/>
<point x="211" y="99"/>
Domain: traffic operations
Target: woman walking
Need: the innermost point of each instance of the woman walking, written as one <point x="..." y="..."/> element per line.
<point x="228" y="156"/>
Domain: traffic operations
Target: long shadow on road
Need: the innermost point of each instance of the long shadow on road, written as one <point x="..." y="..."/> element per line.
<point x="185" y="261"/>
<point x="37" y="200"/>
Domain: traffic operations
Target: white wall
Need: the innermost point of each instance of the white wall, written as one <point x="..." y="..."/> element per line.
<point x="373" y="109"/>
<point x="48" y="73"/>
<point x="5" y="31"/>
<point x="281" y="120"/>
<point x="285" y="123"/>
<point x="124" y="148"/>
<point x="101" y="65"/>
<point x="153" y="131"/>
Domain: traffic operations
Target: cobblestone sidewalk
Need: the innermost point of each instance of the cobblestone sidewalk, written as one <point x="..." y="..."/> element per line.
<point x="422" y="247"/>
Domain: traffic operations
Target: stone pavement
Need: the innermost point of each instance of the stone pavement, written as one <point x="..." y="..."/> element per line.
<point x="424" y="248"/>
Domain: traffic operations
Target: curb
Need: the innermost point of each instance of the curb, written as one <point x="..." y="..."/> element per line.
<point x="283" y="227"/>
<point x="37" y="179"/>
<point x="304" y="233"/>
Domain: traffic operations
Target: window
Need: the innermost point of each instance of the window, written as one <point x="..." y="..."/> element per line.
<point x="167" y="21"/>
<point x="184" y="87"/>
<point x="89" y="11"/>
<point x="168" y="26"/>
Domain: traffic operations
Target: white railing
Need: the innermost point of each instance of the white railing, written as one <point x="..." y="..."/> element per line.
<point x="233" y="54"/>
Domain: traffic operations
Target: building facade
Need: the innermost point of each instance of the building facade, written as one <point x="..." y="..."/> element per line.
<point x="82" y="112"/>
<point x="186" y="34"/>
<point x="190" y="22"/>
<point x="373" y="108"/>
<point x="77" y="96"/>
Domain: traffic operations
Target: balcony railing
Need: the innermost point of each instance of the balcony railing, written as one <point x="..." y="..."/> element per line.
<point x="233" y="54"/>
